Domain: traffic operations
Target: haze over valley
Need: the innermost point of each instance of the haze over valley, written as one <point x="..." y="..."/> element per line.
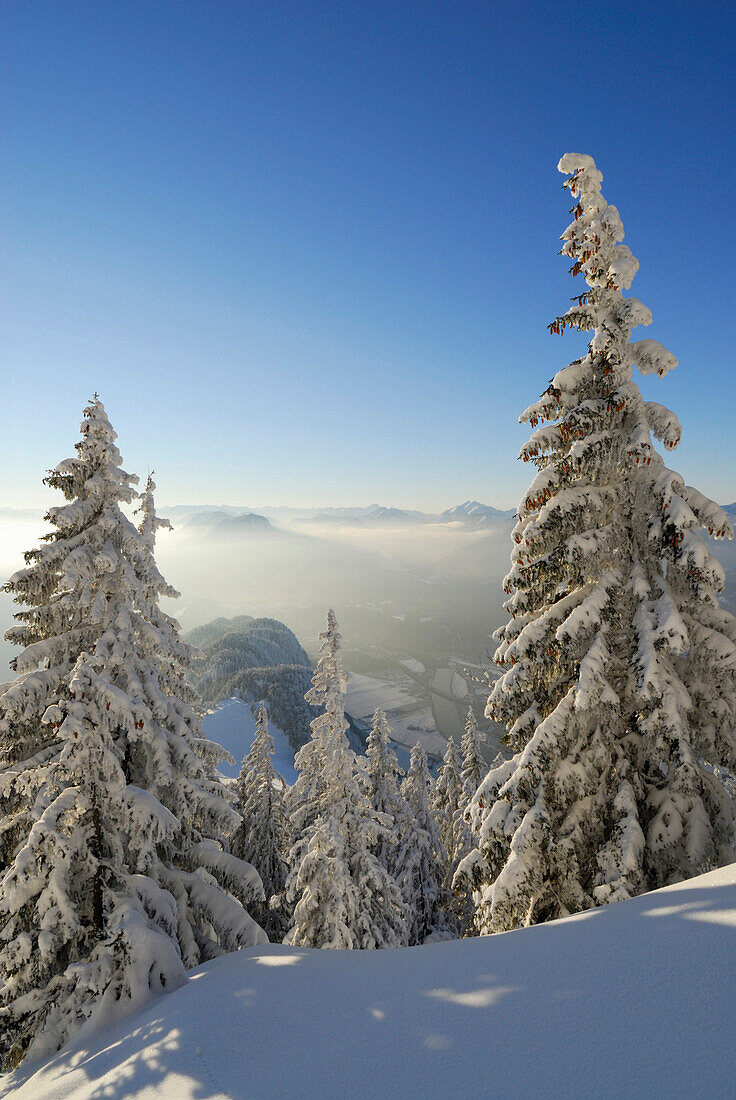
<point x="418" y="595"/>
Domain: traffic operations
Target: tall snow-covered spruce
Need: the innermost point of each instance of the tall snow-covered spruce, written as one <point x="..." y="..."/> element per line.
<point x="260" y="838"/>
<point x="382" y="784"/>
<point x="343" y="896"/>
<point x="114" y="880"/>
<point x="447" y="810"/>
<point x="424" y="859"/>
<point x="619" y="689"/>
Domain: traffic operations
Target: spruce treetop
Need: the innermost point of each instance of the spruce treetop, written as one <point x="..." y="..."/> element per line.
<point x="473" y="765"/>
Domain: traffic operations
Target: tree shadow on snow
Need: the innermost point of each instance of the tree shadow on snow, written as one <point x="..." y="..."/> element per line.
<point x="633" y="1000"/>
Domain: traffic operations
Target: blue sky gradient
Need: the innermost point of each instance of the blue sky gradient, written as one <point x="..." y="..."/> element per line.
<point x="307" y="252"/>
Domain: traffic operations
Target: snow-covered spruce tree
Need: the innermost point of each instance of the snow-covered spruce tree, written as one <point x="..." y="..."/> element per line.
<point x="260" y="838"/>
<point x="620" y="681"/>
<point x="423" y="857"/>
<point x="447" y="809"/>
<point x="382" y="780"/>
<point x="446" y="798"/>
<point x="114" y="879"/>
<point x="474" y="767"/>
<point x="343" y="896"/>
<point x="305" y="799"/>
<point x="472" y="772"/>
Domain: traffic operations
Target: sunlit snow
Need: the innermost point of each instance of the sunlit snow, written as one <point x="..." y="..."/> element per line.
<point x="631" y="1000"/>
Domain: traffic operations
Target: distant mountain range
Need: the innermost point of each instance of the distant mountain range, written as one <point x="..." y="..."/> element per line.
<point x="221" y="524"/>
<point x="471" y="512"/>
<point x="224" y="521"/>
<point x="476" y="514"/>
<point x="374" y="516"/>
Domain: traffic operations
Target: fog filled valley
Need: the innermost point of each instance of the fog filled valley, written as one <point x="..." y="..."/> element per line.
<point x="412" y="585"/>
<point x="421" y="587"/>
<point x="426" y="587"/>
<point x="417" y="597"/>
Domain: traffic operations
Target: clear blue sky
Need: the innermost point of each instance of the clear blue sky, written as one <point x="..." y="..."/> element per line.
<point x="307" y="251"/>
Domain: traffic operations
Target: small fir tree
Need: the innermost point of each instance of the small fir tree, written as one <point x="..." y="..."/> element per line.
<point x="619" y="689"/>
<point x="446" y="799"/>
<point x="110" y="809"/>
<point x="260" y="839"/>
<point x="322" y="890"/>
<point x="306" y="798"/>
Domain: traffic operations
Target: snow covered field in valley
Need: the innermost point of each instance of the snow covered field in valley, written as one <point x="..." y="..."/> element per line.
<point x="410" y="716"/>
<point x="633" y="1000"/>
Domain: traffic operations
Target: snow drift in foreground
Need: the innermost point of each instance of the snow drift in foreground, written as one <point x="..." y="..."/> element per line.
<point x="632" y="1000"/>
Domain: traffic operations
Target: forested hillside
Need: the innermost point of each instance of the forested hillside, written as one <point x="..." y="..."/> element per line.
<point x="255" y="659"/>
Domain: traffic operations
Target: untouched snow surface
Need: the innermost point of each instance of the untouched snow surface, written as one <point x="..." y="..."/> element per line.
<point x="634" y="1000"/>
<point x="233" y="726"/>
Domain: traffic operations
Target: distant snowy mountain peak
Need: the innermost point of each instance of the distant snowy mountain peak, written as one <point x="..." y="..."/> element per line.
<point x="380" y="514"/>
<point x="474" y="513"/>
<point x="472" y="508"/>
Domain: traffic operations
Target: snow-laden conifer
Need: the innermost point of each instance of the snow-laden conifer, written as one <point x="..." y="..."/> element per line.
<point x="306" y="798"/>
<point x="472" y="772"/>
<point x="620" y="667"/>
<point x="383" y="779"/>
<point x="63" y="593"/>
<point x="115" y="880"/>
<point x="342" y="895"/>
<point x="446" y="800"/>
<point x="423" y="857"/>
<point x="260" y="839"/>
<point x="447" y="809"/>
<point x="473" y="769"/>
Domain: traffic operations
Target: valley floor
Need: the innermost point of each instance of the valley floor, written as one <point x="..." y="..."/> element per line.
<point x="634" y="1000"/>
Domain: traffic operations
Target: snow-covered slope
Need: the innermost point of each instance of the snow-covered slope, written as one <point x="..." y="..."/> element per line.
<point x="233" y="726"/>
<point x="255" y="659"/>
<point x="635" y="1000"/>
